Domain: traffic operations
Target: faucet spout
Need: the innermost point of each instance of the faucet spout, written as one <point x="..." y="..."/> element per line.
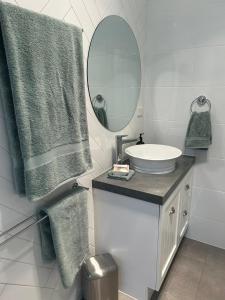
<point x="119" y="145"/>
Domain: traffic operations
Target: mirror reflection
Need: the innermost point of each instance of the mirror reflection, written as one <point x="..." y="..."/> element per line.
<point x="114" y="73"/>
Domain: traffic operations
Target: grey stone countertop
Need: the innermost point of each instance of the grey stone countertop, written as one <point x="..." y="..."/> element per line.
<point x="147" y="187"/>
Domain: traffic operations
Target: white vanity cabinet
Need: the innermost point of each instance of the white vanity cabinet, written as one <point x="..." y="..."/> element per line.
<point x="173" y="223"/>
<point x="143" y="237"/>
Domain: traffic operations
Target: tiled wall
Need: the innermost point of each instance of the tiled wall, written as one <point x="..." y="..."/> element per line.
<point x="23" y="276"/>
<point x="185" y="58"/>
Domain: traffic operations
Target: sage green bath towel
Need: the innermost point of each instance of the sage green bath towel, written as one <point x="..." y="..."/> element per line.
<point x="64" y="235"/>
<point x="199" y="132"/>
<point x="42" y="90"/>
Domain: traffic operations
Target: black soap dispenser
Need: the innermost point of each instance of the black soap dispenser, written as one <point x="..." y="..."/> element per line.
<point x="140" y="141"/>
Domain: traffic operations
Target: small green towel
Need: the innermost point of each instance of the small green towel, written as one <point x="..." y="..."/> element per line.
<point x="43" y="95"/>
<point x="64" y="235"/>
<point x="121" y="177"/>
<point x="101" y="115"/>
<point x="199" y="132"/>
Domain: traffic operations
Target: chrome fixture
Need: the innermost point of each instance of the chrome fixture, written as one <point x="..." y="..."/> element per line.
<point x="119" y="145"/>
<point x="10" y="233"/>
<point x="187" y="187"/>
<point x="172" y="211"/>
<point x="185" y="213"/>
<point x="201" y="101"/>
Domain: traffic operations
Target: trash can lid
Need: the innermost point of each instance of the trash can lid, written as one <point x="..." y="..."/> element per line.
<point x="99" y="266"/>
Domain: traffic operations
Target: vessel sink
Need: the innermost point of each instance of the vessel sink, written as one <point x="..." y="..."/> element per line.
<point x="153" y="158"/>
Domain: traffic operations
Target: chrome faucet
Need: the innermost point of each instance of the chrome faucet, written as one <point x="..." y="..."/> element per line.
<point x="119" y="145"/>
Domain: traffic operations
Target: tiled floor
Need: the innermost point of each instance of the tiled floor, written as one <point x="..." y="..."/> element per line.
<point x="198" y="273"/>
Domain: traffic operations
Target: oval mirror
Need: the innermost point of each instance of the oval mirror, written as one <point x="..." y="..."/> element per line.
<point x="114" y="73"/>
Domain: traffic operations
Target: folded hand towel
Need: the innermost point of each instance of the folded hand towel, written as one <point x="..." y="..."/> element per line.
<point x="199" y="135"/>
<point x="64" y="235"/>
<point x="101" y="115"/>
<point x="42" y="89"/>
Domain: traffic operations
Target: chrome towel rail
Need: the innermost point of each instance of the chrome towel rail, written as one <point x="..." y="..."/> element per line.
<point x="20" y="231"/>
<point x="35" y="222"/>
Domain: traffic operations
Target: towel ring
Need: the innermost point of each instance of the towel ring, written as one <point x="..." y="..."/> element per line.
<point x="201" y="101"/>
<point x="100" y="100"/>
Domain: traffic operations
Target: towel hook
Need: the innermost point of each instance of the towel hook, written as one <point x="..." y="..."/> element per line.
<point x="201" y="101"/>
<point x="76" y="185"/>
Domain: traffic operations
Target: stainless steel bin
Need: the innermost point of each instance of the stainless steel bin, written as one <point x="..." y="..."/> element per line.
<point x="100" y="278"/>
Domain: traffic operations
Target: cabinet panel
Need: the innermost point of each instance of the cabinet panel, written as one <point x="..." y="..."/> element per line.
<point x="168" y="232"/>
<point x="185" y="203"/>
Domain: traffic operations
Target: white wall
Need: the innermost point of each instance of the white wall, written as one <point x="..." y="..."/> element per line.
<point x="23" y="276"/>
<point x="185" y="58"/>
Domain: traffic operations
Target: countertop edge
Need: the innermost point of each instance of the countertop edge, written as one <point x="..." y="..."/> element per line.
<point x="151" y="198"/>
<point x="140" y="195"/>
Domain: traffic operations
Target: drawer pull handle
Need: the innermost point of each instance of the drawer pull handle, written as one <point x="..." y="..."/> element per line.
<point x="185" y="213"/>
<point x="172" y="211"/>
<point x="187" y="187"/>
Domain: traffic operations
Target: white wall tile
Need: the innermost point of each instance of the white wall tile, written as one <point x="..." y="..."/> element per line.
<point x="71" y="17"/>
<point x="84" y="17"/>
<point x="184" y="56"/>
<point x="207" y="231"/>
<point x="208" y="203"/>
<point x="9" y="217"/>
<point x="12" y="292"/>
<point x="210" y="173"/>
<point x="13" y="272"/>
<point x="24" y="251"/>
<point x="5" y="165"/>
<point x="10" y="199"/>
<point x="208" y="69"/>
<point x="32" y="5"/>
<point x="56" y="9"/>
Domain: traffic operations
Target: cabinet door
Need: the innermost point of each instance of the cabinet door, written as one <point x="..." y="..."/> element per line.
<point x="168" y="233"/>
<point x="185" y="204"/>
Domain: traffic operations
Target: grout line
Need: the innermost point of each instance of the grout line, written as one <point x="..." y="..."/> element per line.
<point x="206" y="220"/>
<point x="184" y="86"/>
<point x="4" y="149"/>
<point x="18" y="212"/>
<point x="8" y="180"/>
<point x="81" y="26"/>
<point x="207" y="189"/>
<point x="67" y="13"/>
<point x="25" y="263"/>
<point x="44" y="6"/>
<point x="25" y="285"/>
<point x="174" y="50"/>
<point x="85" y="7"/>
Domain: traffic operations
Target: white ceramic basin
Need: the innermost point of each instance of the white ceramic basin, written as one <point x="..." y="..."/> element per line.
<point x="152" y="158"/>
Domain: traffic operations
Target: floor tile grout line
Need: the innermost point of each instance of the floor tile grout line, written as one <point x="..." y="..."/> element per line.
<point x="2" y="291"/>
